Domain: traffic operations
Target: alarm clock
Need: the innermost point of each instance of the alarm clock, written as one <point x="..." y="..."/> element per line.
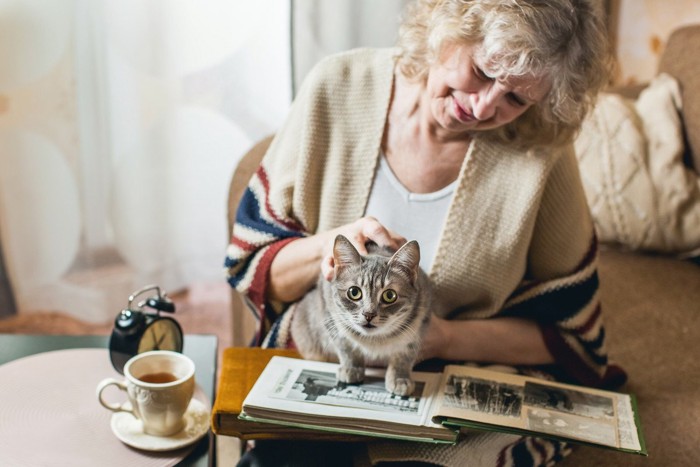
<point x="138" y="330"/>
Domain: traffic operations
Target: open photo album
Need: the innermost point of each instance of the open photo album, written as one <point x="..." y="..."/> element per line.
<point x="297" y="394"/>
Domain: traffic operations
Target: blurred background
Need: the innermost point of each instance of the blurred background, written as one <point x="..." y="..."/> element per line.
<point x="121" y="122"/>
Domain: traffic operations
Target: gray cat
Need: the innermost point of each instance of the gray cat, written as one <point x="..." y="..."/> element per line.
<point x="376" y="308"/>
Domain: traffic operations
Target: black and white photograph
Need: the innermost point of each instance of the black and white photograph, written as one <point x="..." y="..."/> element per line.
<point x="564" y="424"/>
<point x="323" y="388"/>
<point x="569" y="400"/>
<point x="484" y="396"/>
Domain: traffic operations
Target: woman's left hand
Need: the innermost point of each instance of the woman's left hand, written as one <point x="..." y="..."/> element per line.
<point x="509" y="340"/>
<point x="436" y="339"/>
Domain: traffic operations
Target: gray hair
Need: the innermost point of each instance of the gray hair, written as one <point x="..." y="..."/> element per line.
<point x="564" y="41"/>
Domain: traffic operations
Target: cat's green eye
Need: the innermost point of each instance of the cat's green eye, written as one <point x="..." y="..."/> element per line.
<point x="389" y="296"/>
<point x="354" y="293"/>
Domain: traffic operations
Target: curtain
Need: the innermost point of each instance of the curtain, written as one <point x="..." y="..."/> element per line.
<point x="323" y="27"/>
<point x="120" y="124"/>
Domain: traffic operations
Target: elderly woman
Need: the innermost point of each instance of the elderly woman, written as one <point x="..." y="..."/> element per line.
<point x="460" y="138"/>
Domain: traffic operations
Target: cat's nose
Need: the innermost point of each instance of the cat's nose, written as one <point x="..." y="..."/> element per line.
<point x="368" y="316"/>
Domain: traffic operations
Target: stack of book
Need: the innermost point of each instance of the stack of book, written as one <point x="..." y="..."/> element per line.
<point x="274" y="394"/>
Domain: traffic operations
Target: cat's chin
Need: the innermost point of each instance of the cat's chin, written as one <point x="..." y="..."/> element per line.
<point x="366" y="330"/>
<point x="374" y="332"/>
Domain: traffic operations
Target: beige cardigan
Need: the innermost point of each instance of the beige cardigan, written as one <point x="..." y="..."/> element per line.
<point x="518" y="239"/>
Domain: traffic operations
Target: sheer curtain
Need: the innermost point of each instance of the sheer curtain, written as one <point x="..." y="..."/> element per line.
<point x="323" y="27"/>
<point x="120" y="124"/>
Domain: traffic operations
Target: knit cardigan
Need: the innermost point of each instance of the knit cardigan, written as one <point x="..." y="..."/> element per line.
<point x="517" y="241"/>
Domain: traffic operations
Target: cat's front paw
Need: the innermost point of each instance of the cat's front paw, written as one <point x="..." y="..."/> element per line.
<point x="400" y="386"/>
<point x="351" y="374"/>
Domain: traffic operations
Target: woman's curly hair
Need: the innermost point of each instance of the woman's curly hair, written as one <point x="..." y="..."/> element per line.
<point x="564" y="41"/>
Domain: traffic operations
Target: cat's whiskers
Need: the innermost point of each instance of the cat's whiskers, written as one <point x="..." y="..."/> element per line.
<point x="409" y="330"/>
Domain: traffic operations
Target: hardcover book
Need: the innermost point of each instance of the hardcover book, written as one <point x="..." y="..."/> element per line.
<point x="240" y="369"/>
<point x="294" y="397"/>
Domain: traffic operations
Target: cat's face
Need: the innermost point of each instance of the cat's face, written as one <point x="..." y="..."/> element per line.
<point x="373" y="294"/>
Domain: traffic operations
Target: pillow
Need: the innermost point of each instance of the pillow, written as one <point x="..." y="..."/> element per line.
<point x="630" y="154"/>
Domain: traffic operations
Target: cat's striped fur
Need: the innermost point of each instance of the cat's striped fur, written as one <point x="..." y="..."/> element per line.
<point x="376" y="308"/>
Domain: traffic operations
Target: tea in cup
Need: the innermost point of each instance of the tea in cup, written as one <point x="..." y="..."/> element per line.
<point x="159" y="385"/>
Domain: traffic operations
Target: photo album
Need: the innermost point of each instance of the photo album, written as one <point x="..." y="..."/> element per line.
<point x="303" y="395"/>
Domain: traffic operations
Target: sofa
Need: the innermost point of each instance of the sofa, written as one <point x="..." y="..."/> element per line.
<point x="651" y="302"/>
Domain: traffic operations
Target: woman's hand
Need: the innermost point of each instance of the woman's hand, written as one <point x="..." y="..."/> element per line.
<point x="436" y="339"/>
<point x="295" y="268"/>
<point x="510" y="341"/>
<point x="359" y="233"/>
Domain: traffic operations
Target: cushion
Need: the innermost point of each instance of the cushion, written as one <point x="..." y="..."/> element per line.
<point x="640" y="193"/>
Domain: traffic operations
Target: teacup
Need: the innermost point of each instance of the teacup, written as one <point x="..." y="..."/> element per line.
<point x="159" y="385"/>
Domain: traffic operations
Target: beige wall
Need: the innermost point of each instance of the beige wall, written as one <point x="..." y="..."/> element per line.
<point x="643" y="27"/>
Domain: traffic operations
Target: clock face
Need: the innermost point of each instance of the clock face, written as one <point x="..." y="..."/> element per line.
<point x="161" y="334"/>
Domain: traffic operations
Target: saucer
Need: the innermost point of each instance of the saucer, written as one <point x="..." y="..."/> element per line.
<point x="129" y="430"/>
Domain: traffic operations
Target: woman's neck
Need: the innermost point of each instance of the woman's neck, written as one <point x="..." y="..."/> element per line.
<point x="420" y="156"/>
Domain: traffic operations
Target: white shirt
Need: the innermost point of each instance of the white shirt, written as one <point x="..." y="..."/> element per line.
<point x="415" y="216"/>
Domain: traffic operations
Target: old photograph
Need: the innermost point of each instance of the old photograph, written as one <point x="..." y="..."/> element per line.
<point x="323" y="388"/>
<point x="484" y="396"/>
<point x="572" y="426"/>
<point x="569" y="400"/>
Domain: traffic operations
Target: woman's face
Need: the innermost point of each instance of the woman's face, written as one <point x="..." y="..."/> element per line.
<point x="464" y="99"/>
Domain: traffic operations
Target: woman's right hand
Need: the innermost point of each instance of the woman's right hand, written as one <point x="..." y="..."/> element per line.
<point x="295" y="268"/>
<point x="360" y="232"/>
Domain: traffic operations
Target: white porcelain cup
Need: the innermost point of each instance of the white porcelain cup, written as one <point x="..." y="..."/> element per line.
<point x="159" y="385"/>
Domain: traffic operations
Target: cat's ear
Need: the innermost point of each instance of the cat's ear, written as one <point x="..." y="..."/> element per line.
<point x="407" y="259"/>
<point x="344" y="253"/>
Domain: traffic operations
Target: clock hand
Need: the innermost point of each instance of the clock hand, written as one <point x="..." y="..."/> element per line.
<point x="155" y="338"/>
